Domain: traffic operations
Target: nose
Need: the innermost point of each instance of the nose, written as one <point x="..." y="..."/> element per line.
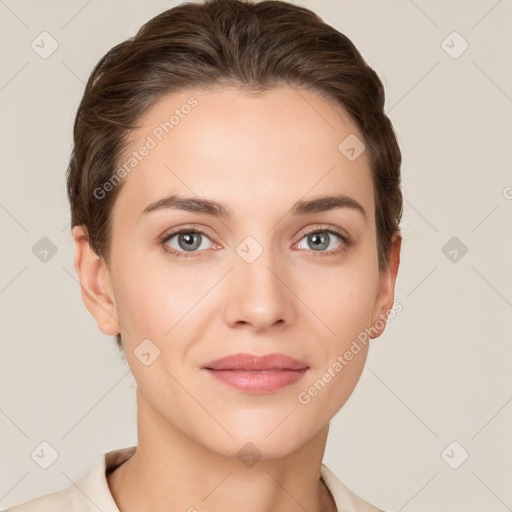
<point x="260" y="293"/>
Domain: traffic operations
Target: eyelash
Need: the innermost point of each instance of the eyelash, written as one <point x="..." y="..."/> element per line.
<point x="346" y="241"/>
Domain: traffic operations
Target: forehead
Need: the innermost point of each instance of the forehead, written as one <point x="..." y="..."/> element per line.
<point x="252" y="151"/>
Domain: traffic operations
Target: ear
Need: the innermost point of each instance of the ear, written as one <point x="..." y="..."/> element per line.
<point x="386" y="295"/>
<point x="95" y="283"/>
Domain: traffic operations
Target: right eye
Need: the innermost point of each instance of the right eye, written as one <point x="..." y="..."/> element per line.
<point x="188" y="240"/>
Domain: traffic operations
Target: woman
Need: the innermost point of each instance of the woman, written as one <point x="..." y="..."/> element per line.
<point x="235" y="198"/>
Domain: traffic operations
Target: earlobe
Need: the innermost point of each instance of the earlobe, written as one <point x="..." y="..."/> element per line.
<point x="386" y="296"/>
<point x="95" y="283"/>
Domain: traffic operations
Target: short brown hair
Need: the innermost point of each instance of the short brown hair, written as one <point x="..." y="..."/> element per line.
<point x="253" y="46"/>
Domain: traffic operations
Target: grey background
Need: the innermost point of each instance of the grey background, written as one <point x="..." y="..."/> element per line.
<point x="441" y="371"/>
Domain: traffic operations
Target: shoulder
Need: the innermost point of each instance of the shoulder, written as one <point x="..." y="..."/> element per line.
<point x="89" y="493"/>
<point x="345" y="499"/>
<point x="56" y="502"/>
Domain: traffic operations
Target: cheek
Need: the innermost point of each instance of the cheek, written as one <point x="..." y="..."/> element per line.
<point x="343" y="298"/>
<point x="142" y="296"/>
<point x="334" y="385"/>
<point x="154" y="297"/>
<point x="344" y="303"/>
<point x="345" y="308"/>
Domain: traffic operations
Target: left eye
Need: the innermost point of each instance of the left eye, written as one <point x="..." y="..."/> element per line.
<point x="321" y="240"/>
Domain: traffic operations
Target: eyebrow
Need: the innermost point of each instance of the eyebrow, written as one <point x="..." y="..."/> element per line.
<point x="216" y="209"/>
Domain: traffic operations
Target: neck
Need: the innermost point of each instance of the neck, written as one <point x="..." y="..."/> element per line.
<point x="171" y="472"/>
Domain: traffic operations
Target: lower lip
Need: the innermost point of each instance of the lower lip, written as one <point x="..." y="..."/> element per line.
<point x="258" y="382"/>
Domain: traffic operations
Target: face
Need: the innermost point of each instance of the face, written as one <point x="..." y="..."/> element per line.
<point x="189" y="285"/>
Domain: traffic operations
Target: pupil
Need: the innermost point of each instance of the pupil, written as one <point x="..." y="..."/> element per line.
<point x="190" y="243"/>
<point x="318" y="238"/>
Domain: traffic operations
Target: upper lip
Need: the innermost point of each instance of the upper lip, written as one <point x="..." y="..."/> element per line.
<point x="254" y="362"/>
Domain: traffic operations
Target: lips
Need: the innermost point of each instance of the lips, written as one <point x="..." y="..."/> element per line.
<point x="256" y="363"/>
<point x="257" y="374"/>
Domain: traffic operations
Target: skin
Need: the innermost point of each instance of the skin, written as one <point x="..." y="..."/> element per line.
<point x="258" y="154"/>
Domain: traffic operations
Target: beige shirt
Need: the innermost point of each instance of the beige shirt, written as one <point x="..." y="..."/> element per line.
<point x="91" y="492"/>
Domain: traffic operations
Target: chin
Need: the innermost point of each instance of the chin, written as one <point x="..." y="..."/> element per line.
<point x="251" y="450"/>
<point x="260" y="440"/>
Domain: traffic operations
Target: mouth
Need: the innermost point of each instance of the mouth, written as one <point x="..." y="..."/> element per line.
<point x="263" y="381"/>
<point x="254" y="362"/>
<point x="257" y="374"/>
